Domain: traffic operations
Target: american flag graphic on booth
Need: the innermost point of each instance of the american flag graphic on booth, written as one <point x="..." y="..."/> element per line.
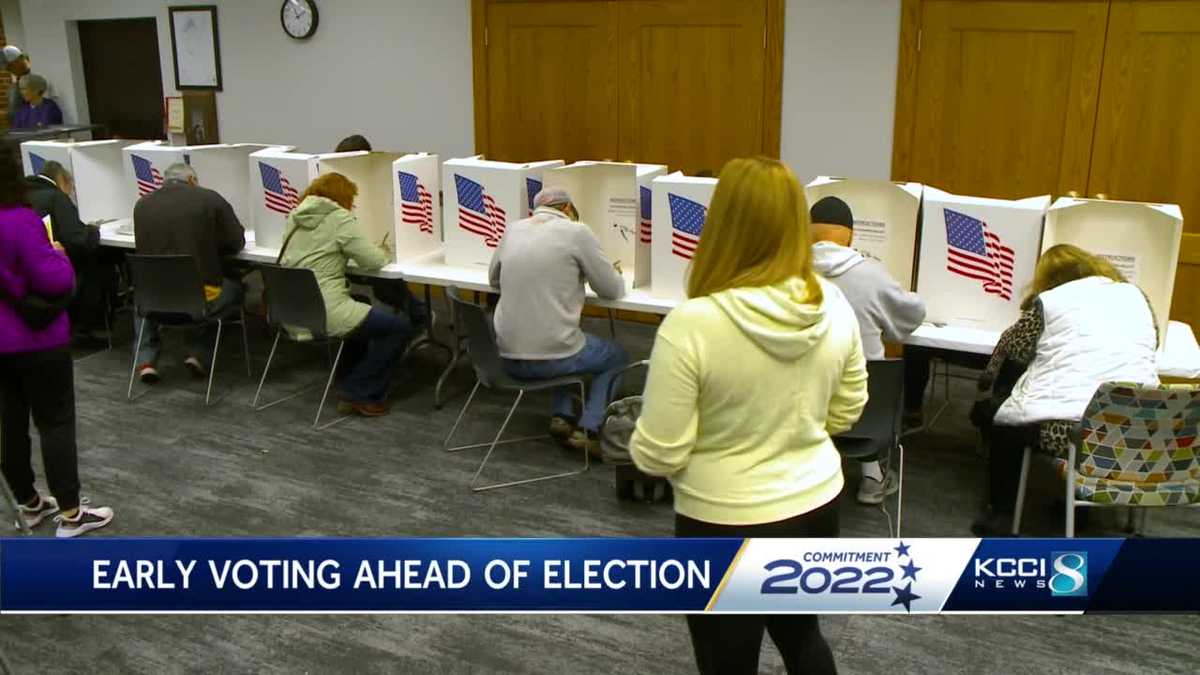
<point x="278" y="194"/>
<point x="687" y="221"/>
<point x="148" y="178"/>
<point x="974" y="252"/>
<point x="644" y="231"/>
<point x="416" y="204"/>
<point x="532" y="187"/>
<point x="478" y="212"/>
<point x="36" y="162"/>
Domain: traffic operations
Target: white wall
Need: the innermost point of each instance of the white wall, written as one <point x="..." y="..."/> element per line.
<point x="400" y="73"/>
<point x="14" y="29"/>
<point x="397" y="72"/>
<point x="839" y="86"/>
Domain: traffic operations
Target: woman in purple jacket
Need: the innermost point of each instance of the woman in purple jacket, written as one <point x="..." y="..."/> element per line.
<point x="36" y="372"/>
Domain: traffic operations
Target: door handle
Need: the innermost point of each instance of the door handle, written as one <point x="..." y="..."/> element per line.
<point x="1100" y="195"/>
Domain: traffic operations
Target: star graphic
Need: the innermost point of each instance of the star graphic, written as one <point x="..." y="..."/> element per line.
<point x="910" y="571"/>
<point x="905" y="596"/>
<point x="902" y="549"/>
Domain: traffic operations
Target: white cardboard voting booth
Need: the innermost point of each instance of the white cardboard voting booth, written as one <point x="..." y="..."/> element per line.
<point x="417" y="184"/>
<point x="145" y="165"/>
<point x="1141" y="240"/>
<point x="480" y="199"/>
<point x="679" y="208"/>
<point x="609" y="198"/>
<point x="279" y="176"/>
<point x="885" y="219"/>
<point x="100" y="185"/>
<point x="977" y="257"/>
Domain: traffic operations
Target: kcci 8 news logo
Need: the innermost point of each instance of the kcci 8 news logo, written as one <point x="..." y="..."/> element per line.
<point x="1064" y="573"/>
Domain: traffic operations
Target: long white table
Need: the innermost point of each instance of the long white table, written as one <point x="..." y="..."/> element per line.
<point x="1179" y="356"/>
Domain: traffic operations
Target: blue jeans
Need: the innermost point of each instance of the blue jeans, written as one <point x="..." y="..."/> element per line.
<point x="599" y="357"/>
<point x="204" y="337"/>
<point x="370" y="354"/>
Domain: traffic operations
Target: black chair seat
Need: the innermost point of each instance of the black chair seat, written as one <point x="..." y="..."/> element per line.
<point x="861" y="448"/>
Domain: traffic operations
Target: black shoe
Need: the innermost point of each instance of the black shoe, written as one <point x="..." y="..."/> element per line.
<point x="993" y="524"/>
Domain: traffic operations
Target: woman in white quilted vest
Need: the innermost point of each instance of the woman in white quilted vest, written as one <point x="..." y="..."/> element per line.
<point x="1081" y="324"/>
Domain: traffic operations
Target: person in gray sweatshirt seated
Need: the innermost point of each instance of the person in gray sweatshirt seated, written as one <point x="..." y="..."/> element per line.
<point x="885" y="311"/>
<point x="540" y="267"/>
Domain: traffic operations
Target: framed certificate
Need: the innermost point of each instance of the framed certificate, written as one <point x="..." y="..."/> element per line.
<point x="195" y="47"/>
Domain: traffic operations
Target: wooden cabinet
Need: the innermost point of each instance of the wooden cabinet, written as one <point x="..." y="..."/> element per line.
<point x="1012" y="99"/>
<point x="687" y="83"/>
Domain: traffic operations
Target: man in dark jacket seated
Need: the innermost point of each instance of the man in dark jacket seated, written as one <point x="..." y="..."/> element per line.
<point x="49" y="194"/>
<point x="182" y="218"/>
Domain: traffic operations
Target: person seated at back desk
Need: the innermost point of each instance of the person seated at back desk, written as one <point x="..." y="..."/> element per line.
<point x="884" y="310"/>
<point x="37" y="111"/>
<point x="182" y="218"/>
<point x="540" y="268"/>
<point x="49" y="194"/>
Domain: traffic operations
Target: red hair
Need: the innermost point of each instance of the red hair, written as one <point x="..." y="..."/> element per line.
<point x="334" y="187"/>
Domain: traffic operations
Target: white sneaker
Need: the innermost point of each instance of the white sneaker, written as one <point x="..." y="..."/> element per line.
<point x="33" y="516"/>
<point x="871" y="491"/>
<point x="86" y="520"/>
<point x="193" y="364"/>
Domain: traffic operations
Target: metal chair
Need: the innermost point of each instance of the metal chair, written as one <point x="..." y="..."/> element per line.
<point x="168" y="289"/>
<point x="294" y="300"/>
<point x="877" y="431"/>
<point x="489" y="372"/>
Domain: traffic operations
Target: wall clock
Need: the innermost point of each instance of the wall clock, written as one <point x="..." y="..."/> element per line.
<point x="299" y="18"/>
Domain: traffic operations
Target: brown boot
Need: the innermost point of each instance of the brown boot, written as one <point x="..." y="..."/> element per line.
<point x="581" y="439"/>
<point x="561" y="429"/>
<point x="364" y="409"/>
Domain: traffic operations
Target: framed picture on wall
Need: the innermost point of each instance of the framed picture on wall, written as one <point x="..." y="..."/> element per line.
<point x="195" y="47"/>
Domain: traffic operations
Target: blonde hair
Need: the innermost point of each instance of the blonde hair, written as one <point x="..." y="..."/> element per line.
<point x="335" y="187"/>
<point x="1065" y="263"/>
<point x="756" y="232"/>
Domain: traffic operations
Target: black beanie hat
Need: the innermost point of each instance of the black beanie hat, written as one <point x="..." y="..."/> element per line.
<point x="831" y="211"/>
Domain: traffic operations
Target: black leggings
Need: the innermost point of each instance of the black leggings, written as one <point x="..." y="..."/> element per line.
<point x="731" y="643"/>
<point x="41" y="384"/>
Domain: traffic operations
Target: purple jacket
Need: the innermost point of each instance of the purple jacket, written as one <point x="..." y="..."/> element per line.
<point x="29" y="264"/>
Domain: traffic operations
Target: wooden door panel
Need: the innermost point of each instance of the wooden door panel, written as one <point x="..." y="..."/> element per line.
<point x="551" y="81"/>
<point x="1147" y="142"/>
<point x="692" y="76"/>
<point x="1005" y="96"/>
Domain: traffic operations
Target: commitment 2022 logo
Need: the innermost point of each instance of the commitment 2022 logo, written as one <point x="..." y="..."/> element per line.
<point x="813" y="575"/>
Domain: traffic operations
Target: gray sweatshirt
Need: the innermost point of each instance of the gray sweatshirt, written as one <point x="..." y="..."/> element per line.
<point x="540" y="268"/>
<point x="885" y="311"/>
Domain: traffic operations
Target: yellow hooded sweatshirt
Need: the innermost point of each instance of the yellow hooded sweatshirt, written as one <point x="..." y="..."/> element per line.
<point x="745" y="388"/>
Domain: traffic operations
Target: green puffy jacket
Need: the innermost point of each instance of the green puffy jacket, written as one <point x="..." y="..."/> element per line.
<point x="326" y="238"/>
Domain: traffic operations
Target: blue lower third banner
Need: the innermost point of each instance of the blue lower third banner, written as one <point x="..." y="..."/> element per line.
<point x="598" y="575"/>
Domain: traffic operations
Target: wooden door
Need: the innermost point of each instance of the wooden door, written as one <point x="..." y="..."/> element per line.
<point x="549" y="86"/>
<point x="121" y="73"/>
<point x="1147" y="144"/>
<point x="998" y="99"/>
<point x="696" y="83"/>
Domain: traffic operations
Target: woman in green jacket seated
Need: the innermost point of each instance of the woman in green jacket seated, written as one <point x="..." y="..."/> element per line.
<point x="323" y="236"/>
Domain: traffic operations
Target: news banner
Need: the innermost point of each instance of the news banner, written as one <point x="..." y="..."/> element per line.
<point x="409" y="575"/>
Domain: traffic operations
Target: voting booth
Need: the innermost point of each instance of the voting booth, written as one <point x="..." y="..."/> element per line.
<point x="609" y="198"/>
<point x="279" y="176"/>
<point x="1140" y="240"/>
<point x="885" y="219"/>
<point x="145" y="165"/>
<point x="415" y="188"/>
<point x="100" y="183"/>
<point x="680" y="205"/>
<point x="977" y="257"/>
<point x="480" y="199"/>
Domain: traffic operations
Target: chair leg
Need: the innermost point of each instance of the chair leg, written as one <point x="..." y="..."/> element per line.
<point x="1021" y="485"/>
<point x="612" y="324"/>
<point x="900" y="492"/>
<point x="246" y="346"/>
<point x="328" y="384"/>
<point x="496" y="440"/>
<point x="461" y="413"/>
<point x="262" y="380"/>
<point x="137" y="345"/>
<point x="212" y="367"/>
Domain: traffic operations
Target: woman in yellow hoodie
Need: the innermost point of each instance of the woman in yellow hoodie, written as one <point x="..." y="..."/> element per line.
<point x="748" y="380"/>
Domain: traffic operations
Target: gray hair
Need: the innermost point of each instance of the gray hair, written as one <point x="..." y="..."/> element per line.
<point x="180" y="172"/>
<point x="55" y="171"/>
<point x="34" y="82"/>
<point x="552" y="197"/>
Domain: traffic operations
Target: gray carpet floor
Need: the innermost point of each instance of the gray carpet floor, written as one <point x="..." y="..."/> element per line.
<point x="169" y="466"/>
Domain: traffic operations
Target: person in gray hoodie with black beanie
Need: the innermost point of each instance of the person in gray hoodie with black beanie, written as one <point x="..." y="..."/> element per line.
<point x="885" y="311"/>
